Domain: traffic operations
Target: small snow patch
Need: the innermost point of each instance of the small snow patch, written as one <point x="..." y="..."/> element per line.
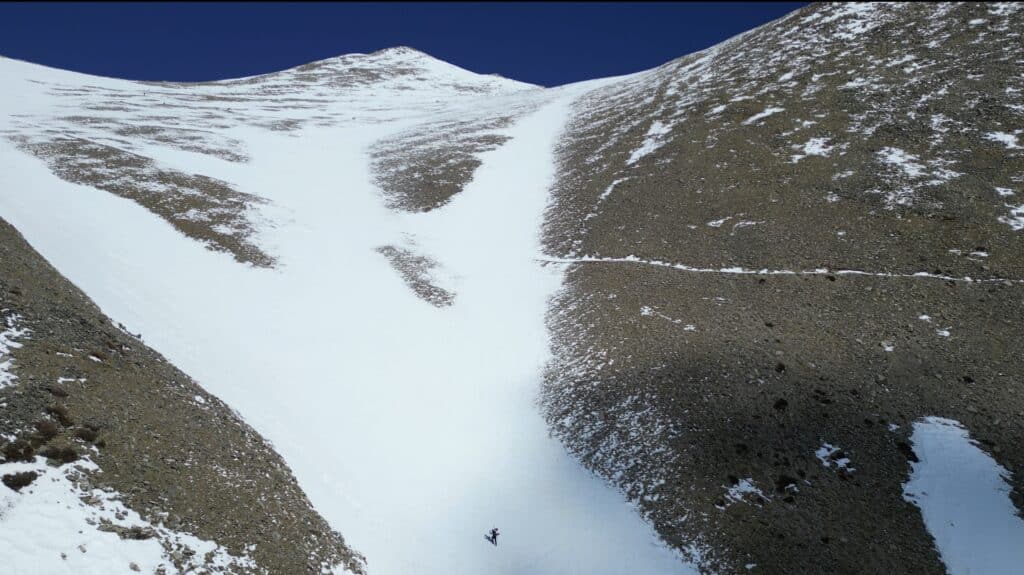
<point x="1005" y="138"/>
<point x="738" y="492"/>
<point x="761" y="115"/>
<point x="964" y="497"/>
<point x="653" y="140"/>
<point x="907" y="163"/>
<point x="1016" y="218"/>
<point x="744" y="224"/>
<point x="830" y="455"/>
<point x="813" y="147"/>
<point x="717" y="110"/>
<point x="9" y="336"/>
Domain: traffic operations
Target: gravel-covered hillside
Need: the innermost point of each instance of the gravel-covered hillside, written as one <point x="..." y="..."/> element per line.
<point x="809" y="234"/>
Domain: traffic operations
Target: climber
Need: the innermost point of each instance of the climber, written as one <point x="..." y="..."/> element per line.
<point x="492" y="537"/>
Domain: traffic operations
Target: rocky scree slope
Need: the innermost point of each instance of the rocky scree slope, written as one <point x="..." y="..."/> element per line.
<point x="809" y="234"/>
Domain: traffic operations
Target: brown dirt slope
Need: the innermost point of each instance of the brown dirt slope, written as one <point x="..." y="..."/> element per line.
<point x="839" y="137"/>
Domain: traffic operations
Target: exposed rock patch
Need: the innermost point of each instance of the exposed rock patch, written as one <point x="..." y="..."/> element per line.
<point x="203" y="208"/>
<point x="416" y="269"/>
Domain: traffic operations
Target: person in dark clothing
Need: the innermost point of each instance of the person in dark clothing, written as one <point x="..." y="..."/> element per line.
<point x="493" y="536"/>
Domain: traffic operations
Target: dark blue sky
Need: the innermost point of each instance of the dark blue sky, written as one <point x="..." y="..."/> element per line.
<point x="542" y="43"/>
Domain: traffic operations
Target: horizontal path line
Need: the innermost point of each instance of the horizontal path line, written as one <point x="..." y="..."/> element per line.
<point x="768" y="272"/>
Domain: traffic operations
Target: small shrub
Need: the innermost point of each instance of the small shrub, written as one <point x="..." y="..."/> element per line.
<point x="18" y="480"/>
<point x="137" y="533"/>
<point x="19" y="450"/>
<point x="61" y="413"/>
<point x="62" y="454"/>
<point x="86" y="434"/>
<point x="46" y="429"/>
<point x="56" y="391"/>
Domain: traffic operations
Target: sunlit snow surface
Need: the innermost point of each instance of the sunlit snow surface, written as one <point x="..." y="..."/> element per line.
<point x="412" y="428"/>
<point x="964" y="497"/>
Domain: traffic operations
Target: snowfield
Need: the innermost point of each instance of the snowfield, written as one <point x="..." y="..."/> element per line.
<point x="412" y="428"/>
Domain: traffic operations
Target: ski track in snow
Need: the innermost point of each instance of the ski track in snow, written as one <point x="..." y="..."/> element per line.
<point x="413" y="429"/>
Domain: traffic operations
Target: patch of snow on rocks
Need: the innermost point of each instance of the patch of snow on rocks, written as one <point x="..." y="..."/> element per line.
<point x="907" y="163"/>
<point x="653" y="140"/>
<point x="1016" y="218"/>
<point x="813" y="147"/>
<point x="760" y="115"/>
<point x="830" y="455"/>
<point x="8" y="341"/>
<point x="741" y="490"/>
<point x="1005" y="138"/>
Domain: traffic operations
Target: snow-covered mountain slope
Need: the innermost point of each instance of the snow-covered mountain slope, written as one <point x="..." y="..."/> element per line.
<point x="179" y="473"/>
<point x="411" y="426"/>
<point x="734" y="282"/>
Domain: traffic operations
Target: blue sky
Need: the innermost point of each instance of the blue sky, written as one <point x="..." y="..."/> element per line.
<point x="542" y="43"/>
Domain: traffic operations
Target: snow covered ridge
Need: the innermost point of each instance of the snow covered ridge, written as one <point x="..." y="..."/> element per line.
<point x="964" y="496"/>
<point x="175" y="147"/>
<point x="10" y="333"/>
<point x="51" y="521"/>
